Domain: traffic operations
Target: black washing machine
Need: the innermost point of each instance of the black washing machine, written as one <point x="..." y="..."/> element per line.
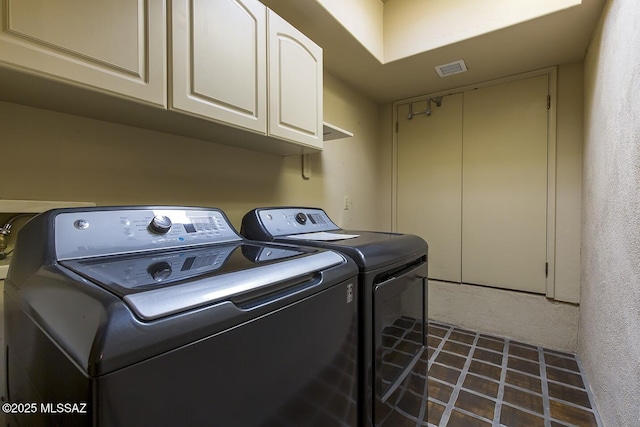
<point x="392" y="289"/>
<point x="165" y="316"/>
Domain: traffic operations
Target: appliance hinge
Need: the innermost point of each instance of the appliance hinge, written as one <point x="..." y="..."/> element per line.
<point x="546" y="269"/>
<point x="548" y="102"/>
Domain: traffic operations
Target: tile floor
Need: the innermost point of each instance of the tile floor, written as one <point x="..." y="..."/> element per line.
<point x="468" y="379"/>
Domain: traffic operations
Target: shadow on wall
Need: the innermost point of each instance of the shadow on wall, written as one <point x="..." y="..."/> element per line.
<point x="56" y="156"/>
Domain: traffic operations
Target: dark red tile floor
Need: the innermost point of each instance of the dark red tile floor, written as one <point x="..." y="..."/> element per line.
<point x="466" y="378"/>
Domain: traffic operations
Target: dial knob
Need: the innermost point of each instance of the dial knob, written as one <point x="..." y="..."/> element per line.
<point x="159" y="271"/>
<point x="301" y="218"/>
<point x="160" y="224"/>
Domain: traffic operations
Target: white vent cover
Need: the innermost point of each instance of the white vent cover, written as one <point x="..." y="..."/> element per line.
<point x="451" y="68"/>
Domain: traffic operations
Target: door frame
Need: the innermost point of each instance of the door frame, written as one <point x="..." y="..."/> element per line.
<point x="552" y="73"/>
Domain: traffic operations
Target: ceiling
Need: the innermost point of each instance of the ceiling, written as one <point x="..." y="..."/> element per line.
<point x="557" y="38"/>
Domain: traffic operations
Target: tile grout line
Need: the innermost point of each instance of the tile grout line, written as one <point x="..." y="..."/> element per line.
<point x="438" y="349"/>
<point x="545" y="388"/>
<point x="425" y="391"/>
<point x="503" y="379"/>
<point x="587" y="388"/>
<point x="432" y="359"/>
<point x="470" y="355"/>
<point x="456" y="389"/>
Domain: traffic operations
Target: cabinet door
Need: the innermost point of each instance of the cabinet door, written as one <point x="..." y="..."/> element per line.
<point x="295" y="84"/>
<point x="219" y="61"/>
<point x="504" y="208"/>
<point x="118" y="46"/>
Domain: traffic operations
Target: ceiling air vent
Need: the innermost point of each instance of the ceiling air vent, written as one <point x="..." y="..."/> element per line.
<point x="451" y="68"/>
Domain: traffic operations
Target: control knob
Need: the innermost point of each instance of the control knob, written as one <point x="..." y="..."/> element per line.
<point x="160" y="224"/>
<point x="301" y="218"/>
<point x="159" y="271"/>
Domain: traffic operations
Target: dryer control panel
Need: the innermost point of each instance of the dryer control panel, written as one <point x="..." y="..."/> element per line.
<point x="291" y="220"/>
<point x="109" y="231"/>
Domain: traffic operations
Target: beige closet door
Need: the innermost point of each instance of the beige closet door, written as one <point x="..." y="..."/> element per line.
<point x="504" y="192"/>
<point x="430" y="181"/>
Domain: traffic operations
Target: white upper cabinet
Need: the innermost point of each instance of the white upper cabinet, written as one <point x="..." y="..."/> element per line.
<point x="237" y="62"/>
<point x="221" y="68"/>
<point x="219" y="61"/>
<point x="295" y="84"/>
<point x="118" y="46"/>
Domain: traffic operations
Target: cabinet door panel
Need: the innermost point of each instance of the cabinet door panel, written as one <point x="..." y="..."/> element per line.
<point x="429" y="202"/>
<point x="118" y="46"/>
<point x="295" y="84"/>
<point x="219" y="60"/>
<point x="505" y="185"/>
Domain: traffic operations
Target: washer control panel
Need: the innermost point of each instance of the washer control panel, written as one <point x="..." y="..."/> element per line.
<point x="98" y="232"/>
<point x="286" y="221"/>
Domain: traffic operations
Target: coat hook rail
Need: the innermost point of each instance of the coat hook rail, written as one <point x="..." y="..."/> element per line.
<point x="427" y="112"/>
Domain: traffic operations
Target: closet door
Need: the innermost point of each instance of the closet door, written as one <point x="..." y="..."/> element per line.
<point x="504" y="188"/>
<point x="430" y="181"/>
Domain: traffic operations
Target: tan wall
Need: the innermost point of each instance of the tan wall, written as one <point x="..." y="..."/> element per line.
<point x="346" y="167"/>
<point x="386" y="167"/>
<point x="413" y="26"/>
<point x="54" y="156"/>
<point x="609" y="331"/>
<point x="521" y="316"/>
<point x="364" y="19"/>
